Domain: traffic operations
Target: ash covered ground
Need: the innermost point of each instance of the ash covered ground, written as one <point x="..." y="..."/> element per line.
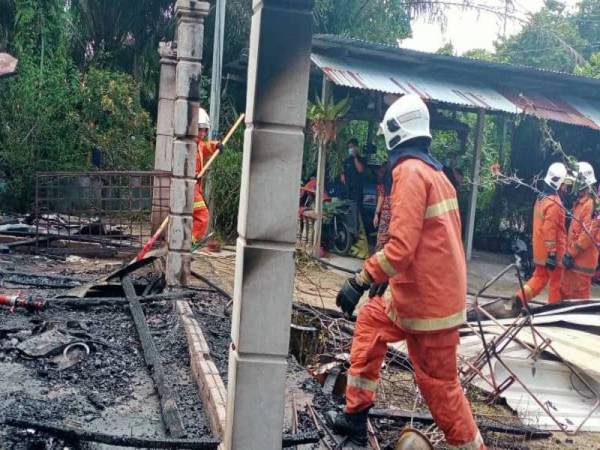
<point x="109" y="391"/>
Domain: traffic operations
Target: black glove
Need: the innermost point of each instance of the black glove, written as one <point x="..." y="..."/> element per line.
<point x="567" y="261"/>
<point x="551" y="261"/>
<point x="377" y="290"/>
<point x="220" y="146"/>
<point x="350" y="294"/>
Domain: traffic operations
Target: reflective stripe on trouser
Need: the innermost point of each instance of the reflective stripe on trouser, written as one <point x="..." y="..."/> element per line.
<point x="576" y="286"/>
<point x="433" y="357"/>
<point x="421" y="325"/>
<point x="536" y="284"/>
<point x="200" y="218"/>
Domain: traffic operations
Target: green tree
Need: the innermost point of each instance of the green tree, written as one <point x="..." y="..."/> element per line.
<point x="591" y="68"/>
<point x="550" y="40"/>
<point x="587" y="20"/>
<point x="7" y="20"/>
<point x="115" y="120"/>
<point x="51" y="114"/>
<point x="447" y="50"/>
<point x="377" y="20"/>
<point x="480" y="53"/>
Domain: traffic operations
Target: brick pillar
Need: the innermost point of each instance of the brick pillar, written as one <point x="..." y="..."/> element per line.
<point x="163" y="156"/>
<point x="190" y="31"/>
<point x="278" y="72"/>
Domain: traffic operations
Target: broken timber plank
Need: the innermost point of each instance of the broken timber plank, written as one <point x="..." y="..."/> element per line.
<point x="90" y="302"/>
<point x="292" y="440"/>
<point x="483" y="423"/>
<point x="39" y="280"/>
<point x="168" y="406"/>
<point x="77" y="434"/>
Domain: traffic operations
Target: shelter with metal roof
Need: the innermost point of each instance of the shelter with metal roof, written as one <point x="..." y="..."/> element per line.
<point x="384" y="72"/>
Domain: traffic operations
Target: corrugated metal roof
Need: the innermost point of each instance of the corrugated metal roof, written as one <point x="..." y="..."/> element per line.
<point x="396" y="78"/>
<point x="355" y="46"/>
<point x="554" y="385"/>
<point x="354" y="73"/>
<point x="8" y="64"/>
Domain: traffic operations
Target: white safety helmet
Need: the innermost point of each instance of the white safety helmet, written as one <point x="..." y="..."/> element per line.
<point x="203" y="119"/>
<point x="407" y="118"/>
<point x="555" y="177"/>
<point x="585" y="174"/>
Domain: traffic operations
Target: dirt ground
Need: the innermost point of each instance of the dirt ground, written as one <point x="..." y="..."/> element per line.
<point x="317" y="286"/>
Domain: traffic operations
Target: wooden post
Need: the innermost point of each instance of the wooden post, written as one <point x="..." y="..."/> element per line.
<point x="502" y="150"/>
<point x="326" y="94"/>
<point x="475" y="185"/>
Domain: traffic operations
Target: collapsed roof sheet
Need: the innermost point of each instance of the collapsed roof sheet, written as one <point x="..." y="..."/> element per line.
<point x="554" y="385"/>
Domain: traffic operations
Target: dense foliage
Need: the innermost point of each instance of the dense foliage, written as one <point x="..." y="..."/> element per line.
<point x="88" y="77"/>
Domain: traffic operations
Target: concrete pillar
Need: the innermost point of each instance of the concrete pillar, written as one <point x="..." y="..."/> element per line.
<point x="190" y="16"/>
<point x="278" y="72"/>
<point x="163" y="156"/>
<point x="475" y="186"/>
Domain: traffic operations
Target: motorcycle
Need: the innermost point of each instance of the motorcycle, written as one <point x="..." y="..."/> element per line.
<point x="340" y="225"/>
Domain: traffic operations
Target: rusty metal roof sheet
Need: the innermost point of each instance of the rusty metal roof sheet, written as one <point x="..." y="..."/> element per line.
<point x="8" y="64"/>
<point x="396" y="78"/>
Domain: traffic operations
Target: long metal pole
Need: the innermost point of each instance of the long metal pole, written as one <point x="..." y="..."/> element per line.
<point x="475" y="187"/>
<point x="217" y="68"/>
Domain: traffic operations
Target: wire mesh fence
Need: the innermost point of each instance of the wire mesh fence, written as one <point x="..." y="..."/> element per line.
<point x="117" y="208"/>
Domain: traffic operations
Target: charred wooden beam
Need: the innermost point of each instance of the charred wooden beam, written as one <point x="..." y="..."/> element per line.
<point x="211" y="284"/>
<point x="91" y="302"/>
<point x="291" y="440"/>
<point x="73" y="434"/>
<point x="483" y="423"/>
<point x="168" y="406"/>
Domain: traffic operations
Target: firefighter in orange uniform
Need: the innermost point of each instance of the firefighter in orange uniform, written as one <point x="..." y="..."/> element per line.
<point x="205" y="150"/>
<point x="581" y="259"/>
<point x="549" y="241"/>
<point x="424" y="263"/>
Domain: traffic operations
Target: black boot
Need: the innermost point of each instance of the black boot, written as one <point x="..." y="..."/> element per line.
<point x="352" y="425"/>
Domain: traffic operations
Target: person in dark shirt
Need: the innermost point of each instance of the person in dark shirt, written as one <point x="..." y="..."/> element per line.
<point x="353" y="174"/>
<point x="453" y="173"/>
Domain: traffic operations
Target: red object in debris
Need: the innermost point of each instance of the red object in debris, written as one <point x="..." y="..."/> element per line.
<point x="19" y="301"/>
<point x="146" y="248"/>
<point x="213" y="246"/>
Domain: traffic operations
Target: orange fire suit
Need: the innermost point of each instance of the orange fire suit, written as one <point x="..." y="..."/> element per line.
<point x="200" y="215"/>
<point x="576" y="282"/>
<point x="549" y="236"/>
<point x="424" y="263"/>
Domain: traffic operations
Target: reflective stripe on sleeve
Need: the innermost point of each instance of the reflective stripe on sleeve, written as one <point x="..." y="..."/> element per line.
<point x="362" y="383"/>
<point x="385" y="264"/>
<point x="201" y="204"/>
<point x="437" y="209"/>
